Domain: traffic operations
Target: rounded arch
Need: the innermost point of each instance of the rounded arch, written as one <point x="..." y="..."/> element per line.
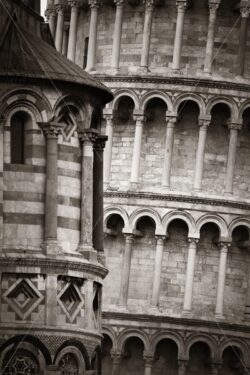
<point x="174" y="336"/>
<point x="109" y="211"/>
<point x="74" y="344"/>
<point x="128" y="333"/>
<point x="26" y="98"/>
<point x="156" y="95"/>
<point x="181" y="215"/>
<point x="111" y="334"/>
<point x="123" y="93"/>
<point x="142" y="212"/>
<point x="205" y="339"/>
<point x="215" y="219"/>
<point x="224" y="100"/>
<point x="240" y="344"/>
<point x="83" y="111"/>
<point x="31" y="340"/>
<point x="243" y="107"/>
<point x="75" y="352"/>
<point x="189" y="97"/>
<point x="238" y="222"/>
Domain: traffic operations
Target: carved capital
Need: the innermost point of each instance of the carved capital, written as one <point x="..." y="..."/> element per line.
<point x="139" y="119"/>
<point x="181" y="5"/>
<point x="245" y="11"/>
<point x="100" y="142"/>
<point x="129" y="238"/>
<point x="234" y="126"/>
<point x="204" y="124"/>
<point x="213" y="6"/>
<point x="75" y="3"/>
<point x="94" y="3"/>
<point x="148" y="358"/>
<point x="193" y="241"/>
<point x="50" y="12"/>
<point x="171" y="121"/>
<point x="119" y="3"/>
<point x="149" y="5"/>
<point x="160" y="239"/>
<point x="87" y="135"/>
<point x="224" y="246"/>
<point x="51" y="129"/>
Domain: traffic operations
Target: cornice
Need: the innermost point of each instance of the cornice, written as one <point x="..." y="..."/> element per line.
<point x="179" y="198"/>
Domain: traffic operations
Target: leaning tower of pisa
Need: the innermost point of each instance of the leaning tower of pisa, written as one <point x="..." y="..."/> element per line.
<point x="176" y="178"/>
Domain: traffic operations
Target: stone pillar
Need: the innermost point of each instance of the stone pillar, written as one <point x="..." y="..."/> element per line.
<point x="94" y="5"/>
<point x="2" y="122"/>
<point x="181" y="7"/>
<point x="157" y="270"/>
<point x="169" y="143"/>
<point x="139" y="120"/>
<point x="117" y="35"/>
<point x="98" y="195"/>
<point x="87" y="138"/>
<point x="108" y="149"/>
<point x="116" y="356"/>
<point x="149" y="8"/>
<point x="221" y="278"/>
<point x="203" y="124"/>
<point x="213" y="6"/>
<point x="51" y="17"/>
<point x="59" y="27"/>
<point x="51" y="300"/>
<point x="126" y="261"/>
<point x="51" y="131"/>
<point x="190" y="274"/>
<point x="182" y="366"/>
<point x="148" y="362"/>
<point x="245" y="10"/>
<point x="73" y="29"/>
<point x="65" y="40"/>
<point x="232" y="149"/>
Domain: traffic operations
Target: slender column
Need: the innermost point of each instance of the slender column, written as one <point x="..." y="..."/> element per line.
<point x="181" y="7"/>
<point x="221" y="278"/>
<point x="65" y="40"/>
<point x="2" y="122"/>
<point x="51" y="131"/>
<point x="166" y="173"/>
<point x="190" y="274"/>
<point x="157" y="270"/>
<point x="182" y="366"/>
<point x="51" y="300"/>
<point x="245" y="10"/>
<point x="73" y="29"/>
<point x="51" y="18"/>
<point x="213" y="6"/>
<point x="203" y="124"/>
<point x="149" y="8"/>
<point x="126" y="261"/>
<point x="87" y="138"/>
<point x="108" y="149"/>
<point x="59" y="27"/>
<point x="94" y="5"/>
<point x="148" y="362"/>
<point x="116" y="356"/>
<point x="137" y="149"/>
<point x="117" y="35"/>
<point x="234" y="129"/>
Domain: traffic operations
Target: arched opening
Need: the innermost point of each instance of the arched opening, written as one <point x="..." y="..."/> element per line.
<point x="20" y="123"/>
<point x="216" y="149"/>
<point x="132" y="362"/>
<point x="125" y="109"/>
<point x="174" y="267"/>
<point x="20" y="362"/>
<point x="206" y="271"/>
<point x="232" y="361"/>
<point x="185" y="146"/>
<point x="114" y="242"/>
<point x="165" y="358"/>
<point x="153" y="142"/>
<point x="107" y="363"/>
<point x="199" y="359"/>
<point x="68" y="364"/>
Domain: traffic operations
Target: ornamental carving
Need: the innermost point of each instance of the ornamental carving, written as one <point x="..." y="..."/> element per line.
<point x="149" y="5"/>
<point x="21" y="362"/>
<point x="93" y="3"/>
<point x="245" y="11"/>
<point x="51" y="129"/>
<point x="68" y="365"/>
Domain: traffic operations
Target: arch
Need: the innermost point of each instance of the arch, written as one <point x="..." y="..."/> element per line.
<point x="192" y="97"/>
<point x="122" y="93"/>
<point x="156" y="95"/>
<point x="142" y="212"/>
<point x="29" y="339"/>
<point x="111" y="334"/>
<point x="174" y="336"/>
<point x="238" y="222"/>
<point x="243" y="107"/>
<point x="74" y="344"/>
<point x="182" y="215"/>
<point x="204" y="338"/>
<point x="109" y="211"/>
<point x="240" y="344"/>
<point x="217" y="220"/>
<point x="224" y="100"/>
<point x="76" y="353"/>
<point x="128" y="333"/>
<point x="84" y="110"/>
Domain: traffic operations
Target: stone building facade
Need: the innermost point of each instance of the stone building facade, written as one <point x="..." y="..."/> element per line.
<point x="51" y="256"/>
<point x="176" y="174"/>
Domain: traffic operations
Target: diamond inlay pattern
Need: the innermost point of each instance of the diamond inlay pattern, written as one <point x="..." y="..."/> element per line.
<point x="71" y="300"/>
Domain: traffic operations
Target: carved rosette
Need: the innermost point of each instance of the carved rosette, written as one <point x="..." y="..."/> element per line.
<point x="234" y="126"/>
<point x="171" y="121"/>
<point x="213" y="6"/>
<point x="139" y="119"/>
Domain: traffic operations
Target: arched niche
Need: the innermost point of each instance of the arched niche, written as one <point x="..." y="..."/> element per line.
<point x="199" y="359"/>
<point x="232" y="361"/>
<point x="165" y="358"/>
<point x="107" y="363"/>
<point x="132" y="357"/>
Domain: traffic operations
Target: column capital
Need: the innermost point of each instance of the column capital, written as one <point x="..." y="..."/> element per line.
<point x="100" y="142"/>
<point x="139" y="119"/>
<point x="94" y="3"/>
<point x="129" y="237"/>
<point x="160" y="239"/>
<point x="149" y="5"/>
<point x="245" y="11"/>
<point x="148" y="358"/>
<point x="204" y="123"/>
<point x="224" y="246"/>
<point x="214" y="5"/>
<point x="193" y="240"/>
<point x="51" y="129"/>
<point x="87" y="135"/>
<point x="234" y="125"/>
<point x="215" y="367"/>
<point x="75" y="3"/>
<point x="182" y="364"/>
<point x="181" y="5"/>
<point x="60" y="6"/>
<point x="119" y="3"/>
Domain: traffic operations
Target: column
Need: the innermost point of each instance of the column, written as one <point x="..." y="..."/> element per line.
<point x="51" y="300"/>
<point x="108" y="149"/>
<point x="181" y="7"/>
<point x="87" y="138"/>
<point x="94" y="5"/>
<point x="73" y="29"/>
<point x="126" y="261"/>
<point x="117" y="35"/>
<point x="51" y="131"/>
<point x="221" y="278"/>
<point x="231" y="158"/>
<point x="148" y="362"/>
<point x="169" y="143"/>
<point x="116" y="356"/>
<point x="2" y="122"/>
<point x="245" y="10"/>
<point x="65" y="40"/>
<point x="213" y="6"/>
<point x="59" y="27"/>
<point x="149" y="8"/>
<point x="190" y="274"/>
<point x="182" y="366"/>
<point x="160" y="241"/>
<point x="203" y="126"/>
<point x="51" y="17"/>
<point x="139" y="120"/>
<point x="98" y="194"/>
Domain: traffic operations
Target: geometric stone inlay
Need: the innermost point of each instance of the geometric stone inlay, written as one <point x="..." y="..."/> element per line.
<point x="71" y="300"/>
<point x="23" y="297"/>
<point x="20" y="363"/>
<point x="70" y="125"/>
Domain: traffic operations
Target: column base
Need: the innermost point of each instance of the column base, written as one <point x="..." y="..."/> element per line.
<point x="186" y="314"/>
<point x="51" y="248"/>
<point x="219" y="316"/>
<point x="88" y="253"/>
